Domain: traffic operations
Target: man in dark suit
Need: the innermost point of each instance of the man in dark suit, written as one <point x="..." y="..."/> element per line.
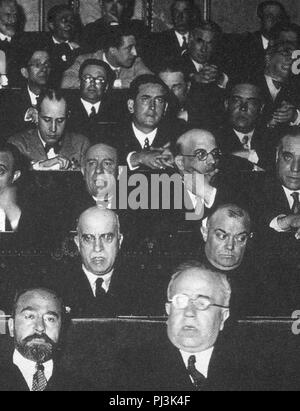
<point x="144" y="141"/>
<point x="171" y="44"/>
<point x="241" y="133"/>
<point x="195" y="357"/>
<point x="278" y="86"/>
<point x="17" y="106"/>
<point x="63" y="48"/>
<point x="254" y="45"/>
<point x="100" y="285"/>
<point x="48" y="146"/>
<point x="36" y="326"/>
<point x="92" y="105"/>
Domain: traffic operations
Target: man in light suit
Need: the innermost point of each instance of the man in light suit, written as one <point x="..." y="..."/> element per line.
<point x="119" y="53"/>
<point x="48" y="146"/>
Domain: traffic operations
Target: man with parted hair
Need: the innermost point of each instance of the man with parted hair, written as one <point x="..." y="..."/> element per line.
<point x="36" y="326"/>
<point x="195" y="356"/>
<point x="49" y="146"/>
<point x="119" y="52"/>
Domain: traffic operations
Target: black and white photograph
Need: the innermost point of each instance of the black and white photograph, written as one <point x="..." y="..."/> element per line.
<point x="149" y="198"/>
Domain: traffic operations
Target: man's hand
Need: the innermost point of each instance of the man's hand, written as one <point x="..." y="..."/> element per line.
<point x="290" y="222"/>
<point x="153" y="159"/>
<point x="287" y="113"/>
<point x="209" y="74"/>
<point x="166" y="156"/>
<point x="60" y="161"/>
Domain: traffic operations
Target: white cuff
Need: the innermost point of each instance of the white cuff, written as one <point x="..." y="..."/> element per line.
<point x="223" y="83"/>
<point x="275" y="226"/>
<point x="210" y="203"/>
<point x="297" y="121"/>
<point x="253" y="157"/>
<point x="131" y="168"/>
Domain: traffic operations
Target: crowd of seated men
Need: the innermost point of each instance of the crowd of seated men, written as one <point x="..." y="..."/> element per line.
<point x="186" y="140"/>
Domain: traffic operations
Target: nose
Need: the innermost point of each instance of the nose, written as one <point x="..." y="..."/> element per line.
<point x="295" y="167"/>
<point x="98" y="244"/>
<point x="190" y="310"/>
<point x="211" y="159"/>
<point x="244" y="106"/>
<point x="40" y="325"/>
<point x="100" y="167"/>
<point x="203" y="47"/>
<point x="230" y="243"/>
<point x="134" y="52"/>
<point x="53" y="126"/>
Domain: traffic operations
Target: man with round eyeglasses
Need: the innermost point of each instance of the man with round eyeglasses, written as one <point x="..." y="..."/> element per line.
<point x="197" y="354"/>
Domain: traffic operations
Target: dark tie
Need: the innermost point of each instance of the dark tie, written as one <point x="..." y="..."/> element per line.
<point x="39" y="382"/>
<point x="184" y="46"/>
<point x="146" y="144"/>
<point x="100" y="292"/>
<point x="277" y="84"/>
<point x="56" y="147"/>
<point x="198" y="378"/>
<point x="296" y="205"/>
<point x="93" y="113"/>
<point x="245" y="142"/>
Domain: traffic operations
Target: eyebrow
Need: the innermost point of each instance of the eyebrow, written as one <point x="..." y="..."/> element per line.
<point x="34" y="310"/>
<point x="220" y="229"/>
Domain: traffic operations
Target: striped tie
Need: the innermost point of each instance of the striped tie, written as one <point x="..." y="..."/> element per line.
<point x="39" y="382"/>
<point x="296" y="205"/>
<point x="198" y="378"/>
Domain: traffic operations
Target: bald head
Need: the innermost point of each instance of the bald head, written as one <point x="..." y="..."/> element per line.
<point x="98" y="240"/>
<point x="194" y="139"/>
<point x="230" y="211"/>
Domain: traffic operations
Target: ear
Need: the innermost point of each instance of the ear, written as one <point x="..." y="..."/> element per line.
<point x="226" y="104"/>
<point x="204" y="232"/>
<point x="179" y="162"/>
<point x="121" y="238"/>
<point x="51" y="26"/>
<point x="189" y="85"/>
<point x="11" y="325"/>
<point x="262" y="108"/>
<point x="225" y="315"/>
<point x="76" y="241"/>
<point x="112" y="50"/>
<point x="24" y="73"/>
<point x="166" y="108"/>
<point x="17" y="175"/>
<point x="168" y="308"/>
<point x="130" y="105"/>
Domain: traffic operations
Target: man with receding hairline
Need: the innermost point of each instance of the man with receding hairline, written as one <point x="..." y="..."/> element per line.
<point x="197" y="354"/>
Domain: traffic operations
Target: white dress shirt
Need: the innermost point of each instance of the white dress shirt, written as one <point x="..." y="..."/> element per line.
<point x="28" y="368"/>
<point x="265" y="42"/>
<point x="2" y="220"/>
<point x="273" y="90"/>
<point x="141" y="137"/>
<point x="207" y="204"/>
<point x="51" y="154"/>
<point x="88" y="106"/>
<point x="33" y="97"/>
<point x="92" y="278"/>
<point x="181" y="37"/>
<point x="252" y="157"/>
<point x="62" y="42"/>
<point x="274" y="223"/>
<point x="202" y="360"/>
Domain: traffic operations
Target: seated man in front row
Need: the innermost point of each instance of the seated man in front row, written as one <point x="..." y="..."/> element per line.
<point x="36" y="326"/>
<point x="49" y="146"/>
<point x="194" y="357"/>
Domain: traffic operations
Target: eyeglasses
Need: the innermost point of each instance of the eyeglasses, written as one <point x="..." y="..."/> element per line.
<point x="202" y="155"/>
<point x="148" y="101"/>
<point x="98" y="81"/>
<point x="40" y="65"/>
<point x="181" y="301"/>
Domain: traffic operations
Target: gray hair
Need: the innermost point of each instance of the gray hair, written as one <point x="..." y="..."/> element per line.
<point x="219" y="278"/>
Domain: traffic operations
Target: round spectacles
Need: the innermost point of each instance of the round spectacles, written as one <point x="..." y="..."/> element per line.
<point x="98" y="81"/>
<point x="181" y="301"/>
<point x="202" y="154"/>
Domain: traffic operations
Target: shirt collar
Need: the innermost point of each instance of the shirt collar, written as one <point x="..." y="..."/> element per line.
<point x="265" y="42"/>
<point x="107" y="62"/>
<point x="142" y="136"/>
<point x="202" y="360"/>
<point x="3" y="37"/>
<point x="33" y="97"/>
<point x="88" y="106"/>
<point x="55" y="41"/>
<point x="43" y="142"/>
<point x="180" y="37"/>
<point x="198" y="66"/>
<point x="92" y="278"/>
<point x="242" y="135"/>
<point x="28" y="368"/>
<point x="289" y="193"/>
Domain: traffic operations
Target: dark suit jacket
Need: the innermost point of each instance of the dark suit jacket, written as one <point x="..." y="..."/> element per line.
<point x="73" y="145"/>
<point x="250" y="56"/>
<point x="14" y="105"/>
<point x="124" y="297"/>
<point x="161" y="368"/>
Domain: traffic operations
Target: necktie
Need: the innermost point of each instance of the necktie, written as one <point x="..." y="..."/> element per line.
<point x="184" y="44"/>
<point x="146" y="144"/>
<point x="39" y="382"/>
<point x="56" y="148"/>
<point x="277" y="84"/>
<point x="296" y="205"/>
<point x="100" y="292"/>
<point x="93" y="112"/>
<point x="245" y="142"/>
<point x="198" y="378"/>
<point x="118" y="73"/>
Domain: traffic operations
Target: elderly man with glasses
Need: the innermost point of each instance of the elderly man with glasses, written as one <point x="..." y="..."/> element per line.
<point x="196" y="356"/>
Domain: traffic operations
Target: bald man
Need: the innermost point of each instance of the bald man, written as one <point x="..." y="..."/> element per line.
<point x="194" y="356"/>
<point x="198" y="159"/>
<point x="100" y="285"/>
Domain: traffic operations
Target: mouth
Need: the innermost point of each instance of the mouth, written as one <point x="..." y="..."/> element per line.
<point x="98" y="260"/>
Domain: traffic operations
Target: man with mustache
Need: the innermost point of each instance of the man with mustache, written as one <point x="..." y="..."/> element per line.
<point x="36" y="325"/>
<point x="100" y="285"/>
<point x="196" y="356"/>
